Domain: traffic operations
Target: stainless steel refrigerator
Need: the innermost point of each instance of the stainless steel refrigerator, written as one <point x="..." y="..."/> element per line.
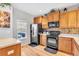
<point x="35" y="30"/>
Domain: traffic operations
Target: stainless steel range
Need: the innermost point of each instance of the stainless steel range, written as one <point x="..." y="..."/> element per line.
<point x="52" y="41"/>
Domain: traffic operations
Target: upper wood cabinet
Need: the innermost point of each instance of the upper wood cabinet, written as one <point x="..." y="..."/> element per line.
<point x="53" y="16"/>
<point x="78" y="18"/>
<point x="34" y="20"/>
<point x="63" y="20"/>
<point x="56" y="16"/>
<point x="41" y="20"/>
<point x="72" y="19"/>
<point x="50" y="17"/>
<point x="44" y="22"/>
<point x="37" y="20"/>
<point x="65" y="45"/>
<point x="68" y="19"/>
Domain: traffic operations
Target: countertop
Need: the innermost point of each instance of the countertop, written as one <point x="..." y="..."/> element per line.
<point x="5" y="42"/>
<point x="74" y="36"/>
<point x="43" y="34"/>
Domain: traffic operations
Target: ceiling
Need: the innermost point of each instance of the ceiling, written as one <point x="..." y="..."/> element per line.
<point x="40" y="8"/>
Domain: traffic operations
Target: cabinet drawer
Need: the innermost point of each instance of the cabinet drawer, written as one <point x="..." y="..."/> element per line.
<point x="14" y="50"/>
<point x="10" y="50"/>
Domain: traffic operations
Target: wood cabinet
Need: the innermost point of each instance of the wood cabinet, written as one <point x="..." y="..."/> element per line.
<point x="68" y="45"/>
<point x="41" y="20"/>
<point x="44" y="23"/>
<point x="69" y="19"/>
<point x="72" y="19"/>
<point x="14" y="50"/>
<point x="78" y="18"/>
<point x="53" y="16"/>
<point x="34" y="21"/>
<point x="63" y="20"/>
<point x="37" y="20"/>
<point x="50" y="17"/>
<point x="43" y="39"/>
<point x="56" y="16"/>
<point x="75" y="48"/>
<point x="65" y="45"/>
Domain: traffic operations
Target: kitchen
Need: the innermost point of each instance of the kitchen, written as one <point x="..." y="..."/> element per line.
<point x="55" y="32"/>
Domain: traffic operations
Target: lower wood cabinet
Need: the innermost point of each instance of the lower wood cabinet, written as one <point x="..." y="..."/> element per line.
<point x="43" y="39"/>
<point x="65" y="45"/>
<point x="68" y="45"/>
<point x="14" y="50"/>
<point x="75" y="49"/>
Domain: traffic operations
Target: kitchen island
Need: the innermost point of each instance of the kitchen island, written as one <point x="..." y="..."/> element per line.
<point x="10" y="47"/>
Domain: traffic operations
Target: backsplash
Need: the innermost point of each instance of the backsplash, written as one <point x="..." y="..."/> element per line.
<point x="70" y="31"/>
<point x="66" y="31"/>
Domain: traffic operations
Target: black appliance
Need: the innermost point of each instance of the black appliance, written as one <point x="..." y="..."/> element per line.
<point x="52" y="41"/>
<point x="35" y="30"/>
<point x="53" y="24"/>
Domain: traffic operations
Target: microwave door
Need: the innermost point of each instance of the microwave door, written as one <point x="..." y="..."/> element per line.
<point x="53" y="24"/>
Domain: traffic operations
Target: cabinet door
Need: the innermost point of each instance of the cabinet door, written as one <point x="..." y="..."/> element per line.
<point x="37" y="20"/>
<point x="75" y="49"/>
<point x="53" y="16"/>
<point x="65" y="45"/>
<point x="43" y="40"/>
<point x="50" y="17"/>
<point x="56" y="16"/>
<point x="44" y="23"/>
<point x="34" y="21"/>
<point x="72" y="17"/>
<point x="63" y="20"/>
<point x="78" y="19"/>
<point x="14" y="50"/>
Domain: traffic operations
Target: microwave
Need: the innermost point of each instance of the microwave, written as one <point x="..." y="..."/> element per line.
<point x="53" y="24"/>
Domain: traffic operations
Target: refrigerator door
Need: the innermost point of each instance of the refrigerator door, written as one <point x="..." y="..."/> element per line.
<point x="34" y="30"/>
<point x="34" y="36"/>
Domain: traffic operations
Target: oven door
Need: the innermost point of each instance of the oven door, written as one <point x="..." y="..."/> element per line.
<point x="52" y="42"/>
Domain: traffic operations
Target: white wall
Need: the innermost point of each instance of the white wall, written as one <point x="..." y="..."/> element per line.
<point x="26" y="17"/>
<point x="16" y="15"/>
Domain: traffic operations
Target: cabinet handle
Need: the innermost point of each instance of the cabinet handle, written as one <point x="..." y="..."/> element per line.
<point x="10" y="52"/>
